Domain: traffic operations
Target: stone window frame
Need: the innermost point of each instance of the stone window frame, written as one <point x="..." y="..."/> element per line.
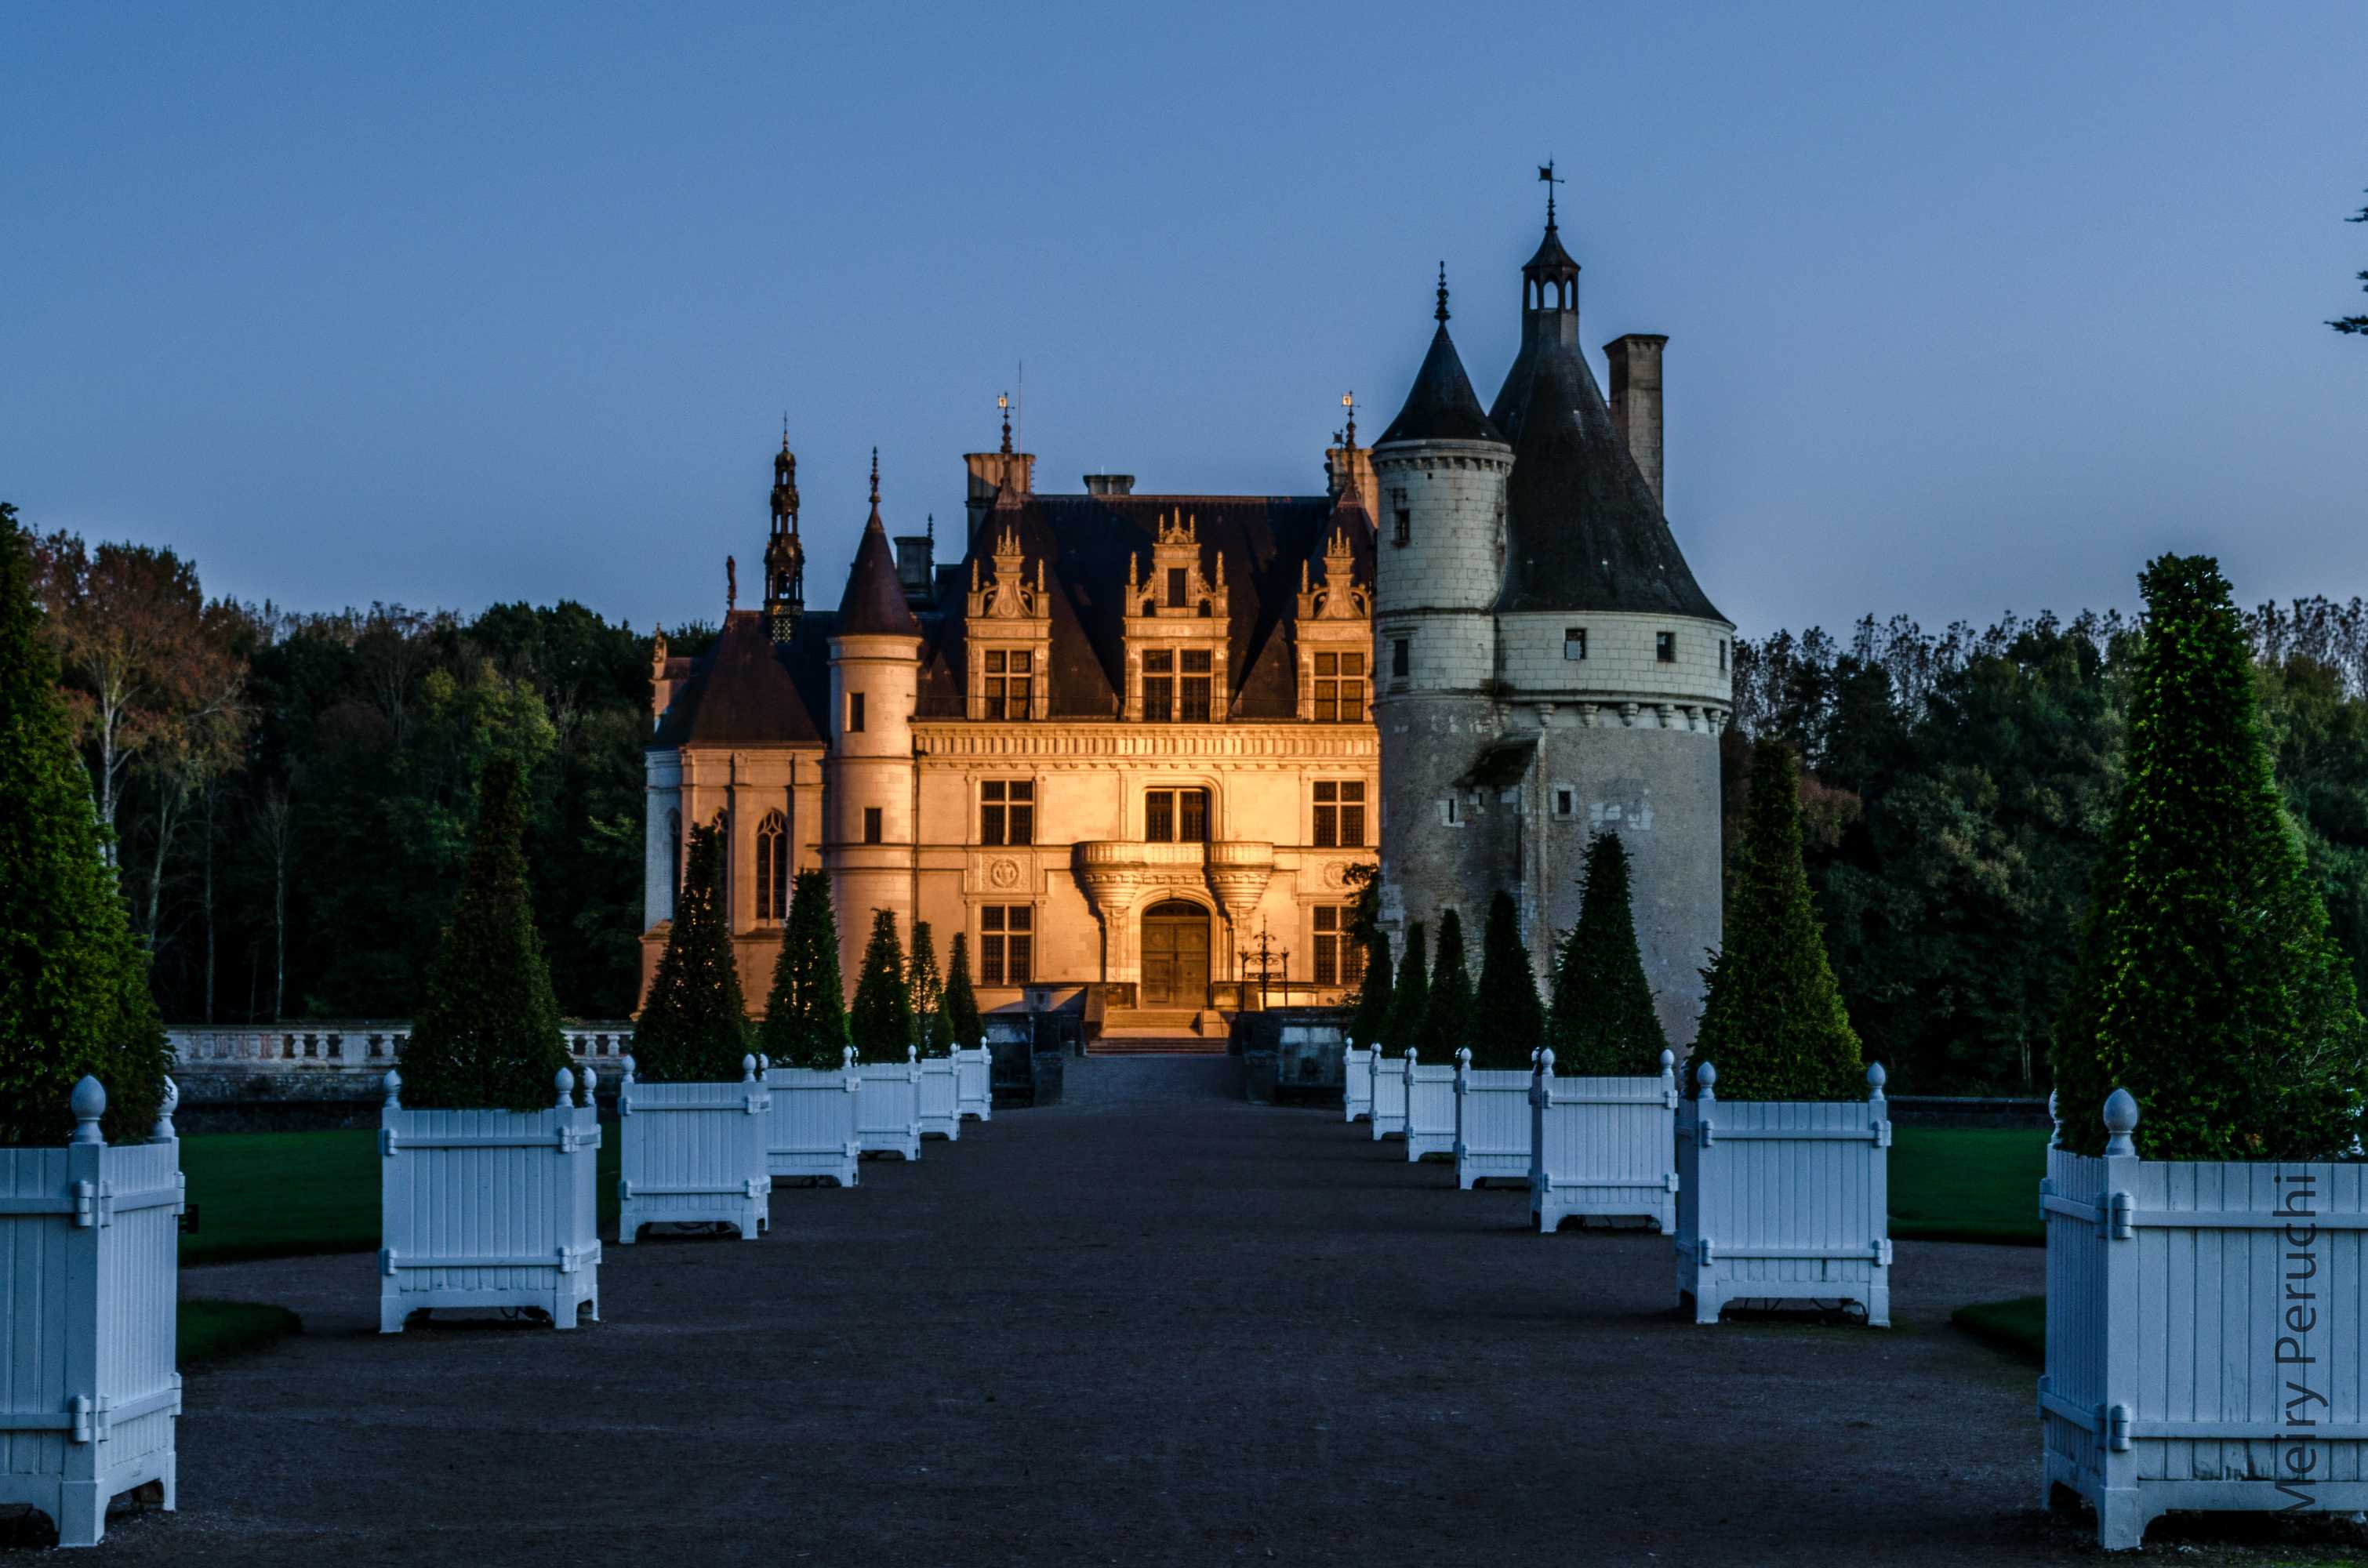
<point x="772" y="878"/>
<point x="994" y="961"/>
<point x="1339" y="806"/>
<point x="1005" y="806"/>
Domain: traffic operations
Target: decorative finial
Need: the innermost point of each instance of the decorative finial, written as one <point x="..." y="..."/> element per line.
<point x="631" y="1067"/>
<point x="1442" y="294"/>
<point x="165" y="1115"/>
<point x="785" y="429"/>
<point x="392" y="1085"/>
<point x="933" y="527"/>
<point x="2121" y="1120"/>
<point x="1003" y="402"/>
<point x="1875" y="1079"/>
<point x="875" y="479"/>
<point x="564" y="1082"/>
<point x="591" y="1081"/>
<point x="731" y="584"/>
<point x="747" y="1069"/>
<point x="1545" y="173"/>
<point x="1348" y="401"/>
<point x="88" y="1103"/>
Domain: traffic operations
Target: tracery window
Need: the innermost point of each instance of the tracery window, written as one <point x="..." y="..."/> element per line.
<point x="772" y="868"/>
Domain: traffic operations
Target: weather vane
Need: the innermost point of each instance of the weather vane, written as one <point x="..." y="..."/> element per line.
<point x="1348" y="401"/>
<point x="1545" y="173"/>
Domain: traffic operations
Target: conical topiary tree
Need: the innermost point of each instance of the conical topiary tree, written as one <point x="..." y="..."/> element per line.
<point x="1604" y="1021"/>
<point x="74" y="981"/>
<point x="1772" y="1022"/>
<point x="1447" y="1018"/>
<point x="693" y="1026"/>
<point x="881" y="1021"/>
<point x="2207" y="985"/>
<point x="969" y="1030"/>
<point x="806" y="1016"/>
<point x="1411" y="1000"/>
<point x="1509" y="1022"/>
<point x="1369" y="1025"/>
<point x="488" y="1036"/>
<point x="932" y="1029"/>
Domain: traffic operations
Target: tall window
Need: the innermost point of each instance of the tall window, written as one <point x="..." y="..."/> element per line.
<point x="1159" y="686"/>
<point x="1010" y="683"/>
<point x="1664" y="647"/>
<point x="1340" y="688"/>
<point x="1006" y="811"/>
<point x="1176" y="587"/>
<point x="1176" y="816"/>
<point x="1007" y="944"/>
<point x="1340" y="814"/>
<point x="772" y="868"/>
<point x="1339" y="960"/>
<point x="855" y="712"/>
<point x="1398" y="659"/>
<point x="1404" y="531"/>
<point x="1193" y="685"/>
<point x="872" y="829"/>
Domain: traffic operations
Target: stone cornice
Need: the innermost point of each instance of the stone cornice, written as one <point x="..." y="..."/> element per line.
<point x="1107" y="741"/>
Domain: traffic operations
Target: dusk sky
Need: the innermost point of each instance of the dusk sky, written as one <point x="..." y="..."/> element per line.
<point x="1970" y="308"/>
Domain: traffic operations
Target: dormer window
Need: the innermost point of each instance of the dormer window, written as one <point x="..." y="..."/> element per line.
<point x="1178" y="587"/>
<point x="1009" y="683"/>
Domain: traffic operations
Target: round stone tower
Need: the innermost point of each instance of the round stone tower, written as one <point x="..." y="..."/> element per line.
<point x="869" y="775"/>
<point x="1441" y="470"/>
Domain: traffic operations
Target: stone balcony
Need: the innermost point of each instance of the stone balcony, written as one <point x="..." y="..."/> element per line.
<point x="1116" y="872"/>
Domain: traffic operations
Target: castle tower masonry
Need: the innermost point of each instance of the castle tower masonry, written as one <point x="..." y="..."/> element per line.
<point x="1547" y="666"/>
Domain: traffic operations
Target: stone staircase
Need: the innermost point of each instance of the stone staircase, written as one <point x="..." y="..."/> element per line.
<point x="1160" y="1032"/>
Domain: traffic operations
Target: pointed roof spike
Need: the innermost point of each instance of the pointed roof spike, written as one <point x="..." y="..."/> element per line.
<point x="1441" y="405"/>
<point x="1441" y="313"/>
<point x="875" y="482"/>
<point x="875" y="604"/>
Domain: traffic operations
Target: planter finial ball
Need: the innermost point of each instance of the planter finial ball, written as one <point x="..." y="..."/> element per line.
<point x="88" y="1103"/>
<point x="1706" y="1075"/>
<point x="912" y="1053"/>
<point x="591" y="1081"/>
<point x="564" y="1082"/>
<point x="629" y="1068"/>
<point x="764" y="1062"/>
<point x="1543" y="1056"/>
<point x="847" y="1056"/>
<point x="165" y="1114"/>
<point x="2121" y="1120"/>
<point x="1668" y="1060"/>
<point x="1463" y="1054"/>
<point x="1875" y="1078"/>
<point x="392" y="1085"/>
<point x="747" y="1069"/>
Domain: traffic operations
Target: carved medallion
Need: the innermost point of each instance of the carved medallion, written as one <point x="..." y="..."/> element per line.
<point x="1337" y="873"/>
<point x="1004" y="873"/>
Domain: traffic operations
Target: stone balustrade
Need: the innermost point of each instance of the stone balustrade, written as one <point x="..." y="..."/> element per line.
<point x="342" y="1044"/>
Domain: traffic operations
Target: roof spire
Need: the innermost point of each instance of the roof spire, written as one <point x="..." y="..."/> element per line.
<point x="785" y="429"/>
<point x="875" y="483"/>
<point x="1545" y="173"/>
<point x="1348" y="401"/>
<point x="1003" y="402"/>
<point x="1441" y="313"/>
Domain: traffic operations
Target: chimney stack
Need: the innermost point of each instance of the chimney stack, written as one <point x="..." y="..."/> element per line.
<point x="1109" y="485"/>
<point x="913" y="555"/>
<point x="988" y="472"/>
<point x="1636" y="399"/>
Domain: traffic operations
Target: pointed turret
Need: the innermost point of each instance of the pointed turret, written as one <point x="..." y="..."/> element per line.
<point x="875" y="604"/>
<point x="1441" y="405"/>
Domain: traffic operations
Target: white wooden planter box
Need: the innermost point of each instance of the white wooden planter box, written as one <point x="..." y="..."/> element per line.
<point x="489" y="1208"/>
<point x="1429" y="1108"/>
<point x="974" y="1083"/>
<point x="694" y="1154"/>
<point x="1784" y="1200"/>
<point x="1603" y="1148"/>
<point x="90" y="1398"/>
<point x="2205" y="1334"/>
<point x="810" y="1131"/>
<point x="941" y="1098"/>
<point x="888" y="1107"/>
<point x="1357" y="1083"/>
<point x="1389" y="1118"/>
<point x="1492" y="1123"/>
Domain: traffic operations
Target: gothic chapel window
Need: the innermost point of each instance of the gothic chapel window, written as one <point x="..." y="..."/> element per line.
<point x="772" y="868"/>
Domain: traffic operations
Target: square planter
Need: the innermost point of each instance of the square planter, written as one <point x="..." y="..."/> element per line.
<point x="974" y="1083"/>
<point x="888" y="1107"/>
<point x="1603" y="1148"/>
<point x="1357" y="1083"/>
<point x="489" y="1208"/>
<point x="941" y="1098"/>
<point x="1492" y="1123"/>
<point x="811" y="1129"/>
<point x="2204" y="1334"/>
<point x="92" y="1235"/>
<point x="694" y="1154"/>
<point x="1389" y="1118"/>
<point x="1429" y="1108"/>
<point x="1784" y="1200"/>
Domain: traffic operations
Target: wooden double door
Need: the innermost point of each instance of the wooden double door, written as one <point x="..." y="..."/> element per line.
<point x="1175" y="955"/>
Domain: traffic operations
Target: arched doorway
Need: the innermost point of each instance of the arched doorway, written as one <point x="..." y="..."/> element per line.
<point x="1175" y="955"/>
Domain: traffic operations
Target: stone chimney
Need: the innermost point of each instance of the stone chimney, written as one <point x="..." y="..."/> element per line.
<point x="1109" y="485"/>
<point x="913" y="568"/>
<point x="1337" y="468"/>
<point x="1636" y="399"/>
<point x="987" y="474"/>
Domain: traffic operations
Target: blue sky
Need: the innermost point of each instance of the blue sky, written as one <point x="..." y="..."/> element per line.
<point x="1971" y="308"/>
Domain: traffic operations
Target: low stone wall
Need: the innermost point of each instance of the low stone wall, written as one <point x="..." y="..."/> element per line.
<point x="1293" y="1055"/>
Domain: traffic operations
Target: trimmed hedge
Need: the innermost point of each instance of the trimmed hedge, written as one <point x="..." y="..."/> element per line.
<point x="1604" y="1021"/>
<point x="1509" y="1022"/>
<point x="693" y="1027"/>
<point x="1410" y="1002"/>
<point x="881" y="1021"/>
<point x="805" y="1013"/>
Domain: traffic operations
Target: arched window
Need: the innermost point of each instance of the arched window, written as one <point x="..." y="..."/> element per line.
<point x="772" y="868"/>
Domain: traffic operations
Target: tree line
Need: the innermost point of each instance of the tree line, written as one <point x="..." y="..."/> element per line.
<point x="286" y="794"/>
<point x="1956" y="798"/>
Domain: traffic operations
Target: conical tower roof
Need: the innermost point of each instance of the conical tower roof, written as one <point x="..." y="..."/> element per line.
<point x="1441" y="405"/>
<point x="875" y="604"/>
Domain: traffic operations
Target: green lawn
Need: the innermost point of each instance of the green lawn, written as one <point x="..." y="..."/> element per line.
<point x="1966" y="1185"/>
<point x="2017" y="1326"/>
<point x="291" y="1194"/>
<point x="216" y="1328"/>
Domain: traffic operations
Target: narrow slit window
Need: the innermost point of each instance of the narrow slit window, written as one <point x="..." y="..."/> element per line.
<point x="871" y="824"/>
<point x="1664" y="647"/>
<point x="855" y="712"/>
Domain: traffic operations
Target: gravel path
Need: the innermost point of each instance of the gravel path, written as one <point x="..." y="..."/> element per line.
<point x="1154" y="1325"/>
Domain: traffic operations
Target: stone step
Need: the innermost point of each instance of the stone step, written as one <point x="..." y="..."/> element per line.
<point x="1157" y="1045"/>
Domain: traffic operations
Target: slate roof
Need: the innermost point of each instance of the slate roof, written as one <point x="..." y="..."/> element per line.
<point x="875" y="601"/>
<point x="747" y="690"/>
<point x="1441" y="405"/>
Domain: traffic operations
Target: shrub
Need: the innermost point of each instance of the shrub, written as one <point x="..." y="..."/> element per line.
<point x="1371" y="1020"/>
<point x="926" y="989"/>
<point x="1604" y="1021"/>
<point x="881" y="1022"/>
<point x="806" y="1016"/>
<point x="487" y="1038"/>
<point x="1508" y="1020"/>
<point x="968" y="1029"/>
<point x="2207" y="983"/>
<point x="1772" y="1022"/>
<point x="693" y="1026"/>
<point x="74" y="981"/>
<point x="1411" y="1001"/>
<point x="1447" y="1021"/>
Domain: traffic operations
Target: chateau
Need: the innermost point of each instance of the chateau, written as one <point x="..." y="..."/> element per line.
<point x="1134" y="745"/>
